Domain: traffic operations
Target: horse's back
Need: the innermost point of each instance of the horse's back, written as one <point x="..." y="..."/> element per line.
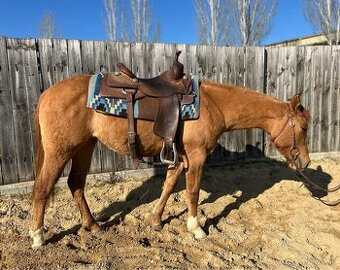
<point x="71" y="89"/>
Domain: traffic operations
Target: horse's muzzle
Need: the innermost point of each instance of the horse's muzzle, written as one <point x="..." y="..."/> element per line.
<point x="301" y="165"/>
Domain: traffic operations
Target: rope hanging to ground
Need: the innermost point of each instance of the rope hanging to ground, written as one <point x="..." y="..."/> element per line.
<point x="309" y="183"/>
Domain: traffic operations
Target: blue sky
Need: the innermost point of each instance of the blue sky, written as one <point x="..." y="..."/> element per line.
<point x="83" y="19"/>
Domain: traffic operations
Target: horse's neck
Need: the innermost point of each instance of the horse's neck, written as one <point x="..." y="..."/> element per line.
<point x="243" y="108"/>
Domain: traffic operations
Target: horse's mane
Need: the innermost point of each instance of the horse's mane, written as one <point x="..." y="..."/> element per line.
<point x="211" y="86"/>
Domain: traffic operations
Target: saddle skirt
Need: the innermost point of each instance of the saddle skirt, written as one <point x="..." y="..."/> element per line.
<point x="143" y="108"/>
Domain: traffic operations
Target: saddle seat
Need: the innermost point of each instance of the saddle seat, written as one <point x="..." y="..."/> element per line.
<point x="163" y="94"/>
<point x="164" y="85"/>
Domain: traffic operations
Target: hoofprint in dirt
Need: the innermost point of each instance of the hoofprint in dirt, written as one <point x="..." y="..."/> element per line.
<point x="257" y="216"/>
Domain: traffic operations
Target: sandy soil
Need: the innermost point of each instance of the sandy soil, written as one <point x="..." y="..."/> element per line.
<point x="258" y="216"/>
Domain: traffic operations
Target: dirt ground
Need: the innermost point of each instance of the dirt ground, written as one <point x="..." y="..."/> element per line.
<point x="257" y="216"/>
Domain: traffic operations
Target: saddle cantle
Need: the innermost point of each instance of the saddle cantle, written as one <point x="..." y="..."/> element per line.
<point x="161" y="97"/>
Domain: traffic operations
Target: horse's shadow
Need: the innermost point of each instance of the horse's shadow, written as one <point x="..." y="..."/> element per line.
<point x="212" y="185"/>
<point x="249" y="185"/>
<point x="250" y="190"/>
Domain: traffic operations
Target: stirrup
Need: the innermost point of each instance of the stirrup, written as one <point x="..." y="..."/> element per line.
<point x="170" y="150"/>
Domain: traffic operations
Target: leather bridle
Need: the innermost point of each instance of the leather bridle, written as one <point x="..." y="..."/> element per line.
<point x="294" y="152"/>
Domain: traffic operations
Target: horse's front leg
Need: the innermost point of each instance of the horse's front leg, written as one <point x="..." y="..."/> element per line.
<point x="193" y="180"/>
<point x="155" y="217"/>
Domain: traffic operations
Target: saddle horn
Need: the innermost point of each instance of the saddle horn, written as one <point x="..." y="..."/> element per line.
<point x="177" y="69"/>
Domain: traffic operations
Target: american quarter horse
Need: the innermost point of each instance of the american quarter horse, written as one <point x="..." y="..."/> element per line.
<point x="67" y="130"/>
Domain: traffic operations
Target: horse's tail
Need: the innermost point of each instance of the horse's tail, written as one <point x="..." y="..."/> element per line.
<point x="39" y="150"/>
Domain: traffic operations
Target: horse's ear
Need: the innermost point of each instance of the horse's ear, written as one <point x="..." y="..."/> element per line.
<point x="295" y="103"/>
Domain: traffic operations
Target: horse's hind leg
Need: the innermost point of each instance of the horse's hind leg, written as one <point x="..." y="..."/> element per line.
<point x="47" y="177"/>
<point x="76" y="182"/>
<point x="155" y="217"/>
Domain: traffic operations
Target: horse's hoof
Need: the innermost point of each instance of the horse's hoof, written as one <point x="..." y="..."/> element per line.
<point x="158" y="227"/>
<point x="154" y="221"/>
<point x="199" y="233"/>
<point x="195" y="228"/>
<point x="95" y="228"/>
<point x="38" y="237"/>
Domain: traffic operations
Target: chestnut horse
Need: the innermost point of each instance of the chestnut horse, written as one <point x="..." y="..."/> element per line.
<point x="66" y="129"/>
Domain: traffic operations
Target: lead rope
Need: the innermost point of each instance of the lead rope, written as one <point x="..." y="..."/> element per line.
<point x="310" y="183"/>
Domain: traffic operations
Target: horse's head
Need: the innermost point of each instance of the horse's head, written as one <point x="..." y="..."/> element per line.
<point x="291" y="134"/>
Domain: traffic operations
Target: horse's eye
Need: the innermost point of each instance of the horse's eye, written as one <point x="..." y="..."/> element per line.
<point x="304" y="129"/>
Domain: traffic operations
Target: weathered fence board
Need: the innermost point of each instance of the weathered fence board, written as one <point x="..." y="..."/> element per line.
<point x="325" y="95"/>
<point x="335" y="131"/>
<point x="7" y="143"/>
<point x="46" y="64"/>
<point x="87" y="50"/>
<point x="332" y="101"/>
<point x="29" y="66"/>
<point x="74" y="58"/>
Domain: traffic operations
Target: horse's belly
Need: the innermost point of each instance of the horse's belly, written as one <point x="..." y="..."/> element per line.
<point x="112" y="131"/>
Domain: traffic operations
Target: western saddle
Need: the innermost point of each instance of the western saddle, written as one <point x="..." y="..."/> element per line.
<point x="159" y="101"/>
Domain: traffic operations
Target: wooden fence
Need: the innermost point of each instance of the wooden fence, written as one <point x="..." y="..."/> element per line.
<point x="28" y="66"/>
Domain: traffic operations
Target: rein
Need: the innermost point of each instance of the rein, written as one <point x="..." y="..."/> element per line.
<point x="294" y="151"/>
